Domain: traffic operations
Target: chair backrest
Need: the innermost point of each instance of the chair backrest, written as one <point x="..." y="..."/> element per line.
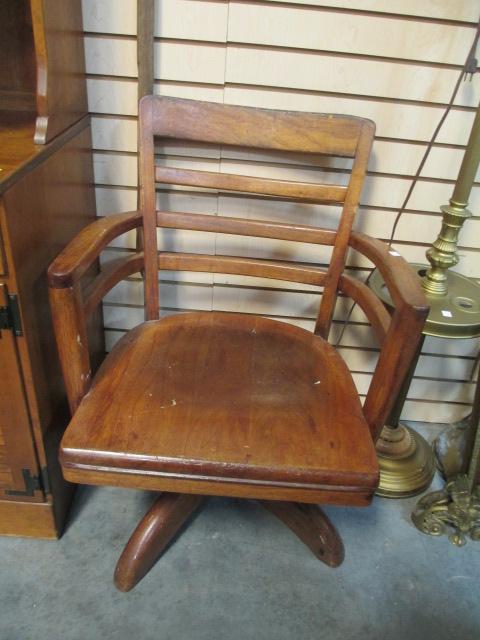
<point x="308" y="133"/>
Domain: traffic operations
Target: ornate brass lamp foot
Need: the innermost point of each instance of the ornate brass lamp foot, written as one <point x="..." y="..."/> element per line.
<point x="453" y="509"/>
<point x="406" y="462"/>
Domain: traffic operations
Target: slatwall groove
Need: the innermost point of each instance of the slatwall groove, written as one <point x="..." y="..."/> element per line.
<point x="345" y="94"/>
<point x="331" y="7"/>
<point x="199" y="47"/>
<point x="449" y="12"/>
<point x="346" y="55"/>
<point x="270" y="24"/>
<point x="250" y="66"/>
<point x="293" y="91"/>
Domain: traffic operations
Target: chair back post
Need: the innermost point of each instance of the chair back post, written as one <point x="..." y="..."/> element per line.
<point x="148" y="206"/>
<point x="308" y="133"/>
<point x="339" y="254"/>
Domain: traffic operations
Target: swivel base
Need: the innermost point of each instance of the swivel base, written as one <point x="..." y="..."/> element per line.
<point x="406" y="461"/>
<point x="172" y="510"/>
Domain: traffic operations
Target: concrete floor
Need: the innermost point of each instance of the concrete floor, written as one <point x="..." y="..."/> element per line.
<point x="238" y="573"/>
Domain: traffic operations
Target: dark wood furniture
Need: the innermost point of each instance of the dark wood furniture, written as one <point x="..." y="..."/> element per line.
<point x="42" y="66"/>
<point x="229" y="404"/>
<point x="46" y="197"/>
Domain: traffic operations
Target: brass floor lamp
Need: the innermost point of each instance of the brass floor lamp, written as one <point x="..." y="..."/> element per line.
<point x="406" y="460"/>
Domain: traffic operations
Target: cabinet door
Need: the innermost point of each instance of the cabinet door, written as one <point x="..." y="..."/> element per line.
<point x="18" y="462"/>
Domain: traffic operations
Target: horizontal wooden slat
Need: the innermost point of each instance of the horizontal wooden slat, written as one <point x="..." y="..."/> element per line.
<point x="379" y="190"/>
<point x="231" y="182"/>
<point x="265" y="229"/>
<point x="110" y="274"/>
<point x="394" y="119"/>
<point x="403" y="158"/>
<point x="375" y="222"/>
<point x="257" y="128"/>
<point x="243" y="266"/>
<point x="371" y="221"/>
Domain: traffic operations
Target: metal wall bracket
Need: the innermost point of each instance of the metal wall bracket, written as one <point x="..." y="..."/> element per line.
<point x="10" y="316"/>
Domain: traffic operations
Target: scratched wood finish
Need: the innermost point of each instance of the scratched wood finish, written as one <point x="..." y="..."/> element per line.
<point x="231" y="404"/>
<point x="156" y="529"/>
<point x="249" y="382"/>
<point x="312" y="526"/>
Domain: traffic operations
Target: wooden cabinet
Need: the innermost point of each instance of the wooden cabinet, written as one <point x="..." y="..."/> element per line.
<point x="46" y="197"/>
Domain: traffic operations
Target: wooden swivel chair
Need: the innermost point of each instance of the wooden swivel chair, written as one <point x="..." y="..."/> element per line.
<point x="228" y="404"/>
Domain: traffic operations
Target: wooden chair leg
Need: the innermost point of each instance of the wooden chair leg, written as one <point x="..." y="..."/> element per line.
<point x="152" y="535"/>
<point x="312" y="526"/>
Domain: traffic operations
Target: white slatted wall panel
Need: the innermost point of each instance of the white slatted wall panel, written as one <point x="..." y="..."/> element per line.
<point x="393" y="61"/>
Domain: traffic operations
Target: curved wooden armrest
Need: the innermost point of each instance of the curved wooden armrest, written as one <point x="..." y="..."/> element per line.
<point x="83" y="250"/>
<point x="401" y="281"/>
<point x="403" y="336"/>
<point x="69" y="312"/>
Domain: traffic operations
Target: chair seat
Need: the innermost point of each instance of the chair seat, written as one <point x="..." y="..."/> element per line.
<point x="226" y="404"/>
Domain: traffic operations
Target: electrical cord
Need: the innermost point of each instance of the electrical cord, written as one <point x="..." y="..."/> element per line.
<point x="469" y="68"/>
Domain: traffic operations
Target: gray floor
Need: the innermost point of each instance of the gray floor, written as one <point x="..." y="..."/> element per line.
<point x="237" y="573"/>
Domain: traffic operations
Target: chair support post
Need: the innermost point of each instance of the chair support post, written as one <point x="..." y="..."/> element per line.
<point x="392" y="366"/>
<point x="72" y="342"/>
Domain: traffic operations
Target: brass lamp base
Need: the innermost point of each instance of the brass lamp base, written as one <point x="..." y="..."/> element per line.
<point x="406" y="461"/>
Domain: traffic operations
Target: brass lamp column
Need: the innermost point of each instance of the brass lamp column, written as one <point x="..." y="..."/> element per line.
<point x="443" y="253"/>
<point x="405" y="458"/>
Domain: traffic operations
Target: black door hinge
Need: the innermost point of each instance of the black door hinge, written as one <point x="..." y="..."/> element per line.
<point x="33" y="483"/>
<point x="10" y="316"/>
